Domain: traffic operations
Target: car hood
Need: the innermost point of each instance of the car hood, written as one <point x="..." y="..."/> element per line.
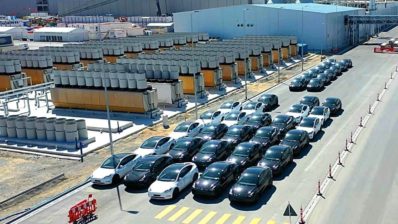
<point x="135" y="176"/>
<point x="205" y="183"/>
<point x="242" y="190"/>
<point x="260" y="140"/>
<point x="279" y="125"/>
<point x="236" y="159"/>
<point x="230" y="138"/>
<point x="249" y="111"/>
<point x="205" y="136"/>
<point x="269" y="163"/>
<point x="177" y="154"/>
<point x="144" y="152"/>
<point x="229" y="123"/>
<point x="162" y="186"/>
<point x="102" y="172"/>
<point x="295" y="115"/>
<point x="177" y="135"/>
<point x="318" y="116"/>
<point x="201" y="157"/>
<point x="313" y="85"/>
<point x="292" y="144"/>
<point x="305" y="129"/>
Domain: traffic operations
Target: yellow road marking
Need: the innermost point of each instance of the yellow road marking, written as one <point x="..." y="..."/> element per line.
<point x="223" y="219"/>
<point x="192" y="216"/>
<point x="255" y="221"/>
<point x="271" y="222"/>
<point x="178" y="214"/>
<point x="239" y="220"/>
<point x="207" y="218"/>
<point x="165" y="211"/>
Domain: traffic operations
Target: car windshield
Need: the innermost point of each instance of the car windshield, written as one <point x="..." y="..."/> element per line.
<point x="227" y="105"/>
<point x="250" y="106"/>
<point x="292" y="137"/>
<point x="208" y="148"/>
<point x="169" y="175"/>
<point x="143" y="166"/>
<point x="248" y="179"/>
<point x="296" y="81"/>
<point x="264" y="133"/>
<point x="231" y="117"/>
<point x="273" y="155"/>
<point x="317" y="111"/>
<point x="111" y="162"/>
<point x="233" y="132"/>
<point x="254" y="119"/>
<point x="295" y="109"/>
<point x="314" y="81"/>
<point x="149" y="143"/>
<point x="213" y="174"/>
<point x="241" y="151"/>
<point x="208" y="129"/>
<point x="307" y="123"/>
<point x="181" y="145"/>
<point x="207" y="115"/>
<point x="280" y="120"/>
<point x="182" y="128"/>
<point x="331" y="101"/>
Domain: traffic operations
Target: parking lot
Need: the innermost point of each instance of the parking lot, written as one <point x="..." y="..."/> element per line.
<point x="357" y="88"/>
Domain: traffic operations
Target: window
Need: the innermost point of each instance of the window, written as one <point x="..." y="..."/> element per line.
<point x="185" y="171"/>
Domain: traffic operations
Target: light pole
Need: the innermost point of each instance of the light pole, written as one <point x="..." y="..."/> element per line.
<point x="323" y="24"/>
<point x="302" y="38"/>
<point x="244" y="44"/>
<point x="193" y="62"/>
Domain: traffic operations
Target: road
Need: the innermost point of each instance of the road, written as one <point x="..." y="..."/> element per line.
<point x="366" y="190"/>
<point x="357" y="88"/>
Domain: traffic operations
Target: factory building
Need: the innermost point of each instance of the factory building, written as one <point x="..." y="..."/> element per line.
<point x="17" y="33"/>
<point x="320" y="26"/>
<point x="60" y="34"/>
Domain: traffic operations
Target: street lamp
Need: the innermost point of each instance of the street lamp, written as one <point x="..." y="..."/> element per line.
<point x="193" y="62"/>
<point x="244" y="44"/>
<point x="302" y="38"/>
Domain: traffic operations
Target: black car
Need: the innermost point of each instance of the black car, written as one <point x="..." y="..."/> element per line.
<point x="314" y="72"/>
<point x="306" y="77"/>
<point x="211" y="151"/>
<point x="297" y="140"/>
<point x="251" y="184"/>
<point x="146" y="170"/>
<point x="266" y="136"/>
<point x="334" y="104"/>
<point x="332" y="74"/>
<point x="215" y="179"/>
<point x="321" y="68"/>
<point x="284" y="123"/>
<point x="257" y="120"/>
<point x="269" y="100"/>
<point x="245" y="154"/>
<point x="277" y="158"/>
<point x="213" y="131"/>
<point x="324" y="77"/>
<point x="348" y="62"/>
<point x="238" y="133"/>
<point x="297" y="84"/>
<point x="315" y="85"/>
<point x="185" y="148"/>
<point x="311" y="101"/>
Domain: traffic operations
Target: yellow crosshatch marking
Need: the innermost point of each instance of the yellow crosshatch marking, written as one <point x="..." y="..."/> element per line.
<point x="165" y="212"/>
<point x="271" y="222"/>
<point x="255" y="221"/>
<point x="207" y="218"/>
<point x="192" y="216"/>
<point x="223" y="219"/>
<point x="178" y="214"/>
<point x="239" y="220"/>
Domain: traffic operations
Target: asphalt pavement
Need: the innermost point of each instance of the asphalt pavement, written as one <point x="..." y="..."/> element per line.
<point x="357" y="88"/>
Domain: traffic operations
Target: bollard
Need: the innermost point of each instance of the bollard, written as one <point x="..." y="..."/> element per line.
<point x="346" y="145"/>
<point x="339" y="159"/>
<point x="378" y="97"/>
<point x="330" y="172"/>
<point x="360" y="122"/>
<point x="319" y="193"/>
<point x="301" y="216"/>
<point x="370" y="109"/>
<point x="385" y="85"/>
<point x="391" y="75"/>
<point x="351" y="138"/>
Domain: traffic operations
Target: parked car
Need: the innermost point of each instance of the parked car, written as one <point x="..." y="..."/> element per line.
<point x="270" y="101"/>
<point x="210" y="116"/>
<point x="114" y="168"/>
<point x="213" y="131"/>
<point x="311" y="101"/>
<point x="325" y="78"/>
<point x="172" y="180"/>
<point x="321" y="112"/>
<point x="343" y="65"/>
<point x="230" y="106"/>
<point x="314" y="72"/>
<point x="257" y="120"/>
<point x="233" y="118"/>
<point x="297" y="84"/>
<point x="316" y="85"/>
<point x="298" y="111"/>
<point x="321" y="68"/>
<point x="252" y="107"/>
<point x="348" y="62"/>
<point x="297" y="140"/>
<point x="155" y="145"/>
<point x="284" y="123"/>
<point x="338" y="68"/>
<point x="185" y="148"/>
<point x="277" y="158"/>
<point x="266" y="137"/>
<point x="215" y="179"/>
<point x="245" y="154"/>
<point x="331" y="74"/>
<point x="186" y="128"/>
<point x="312" y="125"/>
<point x="146" y="170"/>
<point x="306" y="77"/>
<point x="334" y="104"/>
<point x="333" y="70"/>
<point x="212" y="151"/>
<point x="251" y="184"/>
<point x="238" y="133"/>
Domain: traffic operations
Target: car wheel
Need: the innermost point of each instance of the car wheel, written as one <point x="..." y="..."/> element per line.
<point x="175" y="193"/>
<point x="115" y="179"/>
<point x="195" y="177"/>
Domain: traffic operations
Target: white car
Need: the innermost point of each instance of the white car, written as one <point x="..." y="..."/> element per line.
<point x="155" y="145"/>
<point x="186" y="128"/>
<point x="321" y="112"/>
<point x="211" y="117"/>
<point x="230" y="106"/>
<point x="233" y="118"/>
<point x="252" y="107"/>
<point x="172" y="180"/>
<point x="114" y="169"/>
<point x="298" y="111"/>
<point x="312" y="125"/>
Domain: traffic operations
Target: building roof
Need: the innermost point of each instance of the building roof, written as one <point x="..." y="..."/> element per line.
<point x="55" y="30"/>
<point x="5" y="28"/>
<point x="160" y="24"/>
<point x="310" y="7"/>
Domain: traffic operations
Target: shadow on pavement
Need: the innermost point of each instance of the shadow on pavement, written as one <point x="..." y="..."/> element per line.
<point x="136" y="190"/>
<point x="318" y="136"/>
<point x="304" y="152"/>
<point x="286" y="172"/>
<point x="104" y="187"/>
<point x="212" y="200"/>
<point x="327" y="123"/>
<point x="338" y="114"/>
<point x="262" y="201"/>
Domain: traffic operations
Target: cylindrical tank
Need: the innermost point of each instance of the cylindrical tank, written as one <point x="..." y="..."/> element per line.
<point x="11" y="132"/>
<point x="50" y="124"/>
<point x="40" y="125"/>
<point x="71" y="136"/>
<point x="82" y="129"/>
<point x="70" y="125"/>
<point x="123" y="84"/>
<point x="3" y="126"/>
<point x="11" y="121"/>
<point x="60" y="124"/>
<point x="50" y="135"/>
<point x="20" y="127"/>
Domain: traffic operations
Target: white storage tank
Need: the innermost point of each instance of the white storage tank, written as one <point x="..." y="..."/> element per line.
<point x="40" y="125"/>
<point x="82" y="129"/>
<point x="60" y="130"/>
<point x="30" y="125"/>
<point x="3" y="126"/>
<point x="20" y="125"/>
<point x="50" y="129"/>
<point x="71" y="134"/>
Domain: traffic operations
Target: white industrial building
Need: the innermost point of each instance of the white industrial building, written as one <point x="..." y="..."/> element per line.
<point x="17" y="33"/>
<point x="60" y="34"/>
<point x="320" y="26"/>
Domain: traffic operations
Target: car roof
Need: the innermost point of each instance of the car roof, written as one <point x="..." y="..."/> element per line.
<point x="310" y="118"/>
<point x="319" y="107"/>
<point x="121" y="155"/>
<point x="266" y="128"/>
<point x="298" y="105"/>
<point x="332" y="98"/>
<point x="277" y="148"/>
<point x="267" y="95"/>
<point x="237" y="126"/>
<point x="220" y="165"/>
<point x="152" y="158"/>
<point x="177" y="166"/>
<point x="283" y="116"/>
<point x="186" y="123"/>
<point x="246" y="144"/>
<point x="185" y="139"/>
<point x="295" y="132"/>
<point x="254" y="170"/>
<point x="309" y="97"/>
<point x="155" y="138"/>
